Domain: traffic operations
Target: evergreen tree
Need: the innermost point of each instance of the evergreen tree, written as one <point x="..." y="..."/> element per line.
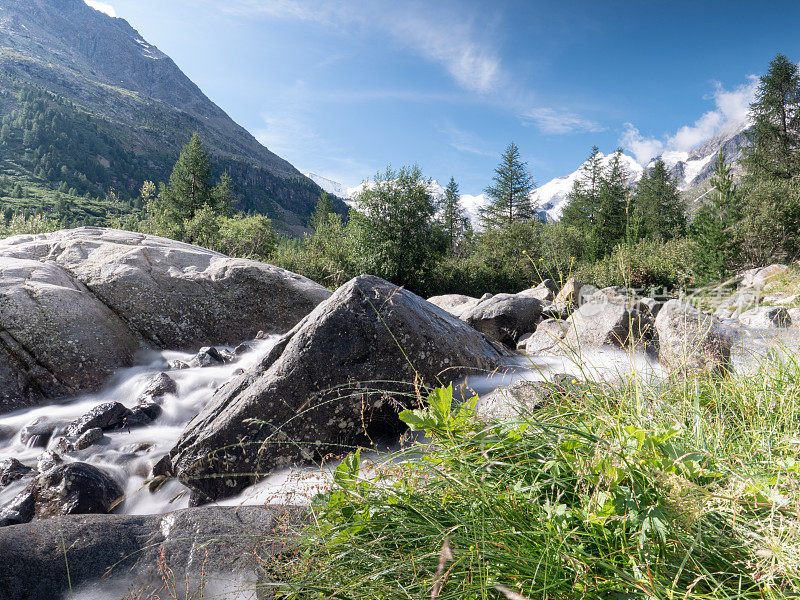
<point x="452" y="216"/>
<point x="190" y="188"/>
<point x="583" y="207"/>
<point x="510" y="192"/>
<point x="612" y="200"/>
<point x="774" y="150"/>
<point x="657" y="205"/>
<point x="713" y="226"/>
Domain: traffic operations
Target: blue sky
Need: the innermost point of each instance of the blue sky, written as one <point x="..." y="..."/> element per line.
<point x="343" y="88"/>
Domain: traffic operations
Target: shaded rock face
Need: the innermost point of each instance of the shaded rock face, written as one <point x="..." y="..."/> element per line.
<point x="76" y="305"/>
<point x="110" y="553"/>
<point x="506" y="317"/>
<point x="607" y="321"/>
<point x="336" y="379"/>
<point x="691" y="341"/>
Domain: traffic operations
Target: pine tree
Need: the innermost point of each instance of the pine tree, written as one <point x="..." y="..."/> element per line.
<point x="583" y="207"/>
<point x="510" y="192"/>
<point x="774" y="150"/>
<point x="612" y="200"/>
<point x="452" y="215"/>
<point x="657" y="205"/>
<point x="189" y="187"/>
<point x="713" y="226"/>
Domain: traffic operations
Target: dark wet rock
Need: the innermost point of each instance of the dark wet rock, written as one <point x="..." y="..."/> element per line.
<point x="505" y="317"/>
<point x="7" y="432"/>
<point x="142" y="414"/>
<point x="242" y="348"/>
<point x="108" y="554"/>
<point x="108" y="415"/>
<point x="63" y="446"/>
<point x="19" y="510"/>
<point x="336" y="380"/>
<point x="455" y="304"/>
<point x="38" y="432"/>
<point x="11" y="470"/>
<point x="88" y="438"/>
<point x="75" y="488"/>
<point x="691" y="341"/>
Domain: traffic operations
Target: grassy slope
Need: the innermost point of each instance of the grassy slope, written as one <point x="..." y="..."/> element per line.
<point x="684" y="491"/>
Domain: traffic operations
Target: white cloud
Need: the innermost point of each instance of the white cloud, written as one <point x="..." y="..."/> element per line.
<point x="555" y="122"/>
<point x="732" y="108"/>
<point x="103" y="7"/>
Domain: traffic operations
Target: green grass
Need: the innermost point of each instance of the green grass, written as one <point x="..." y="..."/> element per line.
<point x="686" y="490"/>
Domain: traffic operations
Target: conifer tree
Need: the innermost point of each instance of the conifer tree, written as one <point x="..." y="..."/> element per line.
<point x="452" y="215"/>
<point x="612" y="200"/>
<point x="657" y="204"/>
<point x="510" y="192"/>
<point x="582" y="210"/>
<point x="712" y="229"/>
<point x="321" y="211"/>
<point x="190" y="187"/>
<point x="774" y="150"/>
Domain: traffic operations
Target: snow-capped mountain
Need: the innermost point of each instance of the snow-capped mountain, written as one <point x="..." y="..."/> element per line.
<point x="552" y="196"/>
<point x="692" y="169"/>
<point x="695" y="167"/>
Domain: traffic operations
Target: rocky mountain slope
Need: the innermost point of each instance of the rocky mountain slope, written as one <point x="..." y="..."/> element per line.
<point x="125" y="107"/>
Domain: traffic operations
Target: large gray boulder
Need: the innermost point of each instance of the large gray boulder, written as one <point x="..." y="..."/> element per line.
<point x="609" y="321"/>
<point x="548" y="337"/>
<point x="691" y="341"/>
<point x="109" y="555"/>
<point x="338" y="379"/>
<point x="56" y="337"/>
<point x="506" y="317"/>
<point x="175" y="295"/>
<point x="76" y="305"/>
<point x="756" y="279"/>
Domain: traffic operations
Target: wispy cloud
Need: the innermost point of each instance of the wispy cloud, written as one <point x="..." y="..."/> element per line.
<point x="556" y="122"/>
<point x="462" y="50"/>
<point x="103" y="7"/>
<point x="732" y="108"/>
<point x="465" y="141"/>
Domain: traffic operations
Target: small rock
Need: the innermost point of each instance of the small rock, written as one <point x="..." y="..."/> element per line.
<point x="178" y="365"/>
<point x="262" y="335"/>
<point x="242" y="348"/>
<point x="570" y="292"/>
<point x="48" y="460"/>
<point x="105" y="416"/>
<point x="547" y="337"/>
<point x="88" y="438"/>
<point x="653" y="305"/>
<point x="143" y="414"/>
<point x="486" y="296"/>
<point x="63" y="446"/>
<point x="158" y="387"/>
<point x="137" y="448"/>
<point x="505" y="317"/>
<point x="206" y="357"/>
<point x="455" y="304"/>
<point x="11" y="470"/>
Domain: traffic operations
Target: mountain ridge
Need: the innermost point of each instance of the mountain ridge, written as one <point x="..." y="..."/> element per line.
<point x="138" y="96"/>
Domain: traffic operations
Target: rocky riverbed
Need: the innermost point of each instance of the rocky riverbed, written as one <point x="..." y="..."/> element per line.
<point x="141" y="376"/>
